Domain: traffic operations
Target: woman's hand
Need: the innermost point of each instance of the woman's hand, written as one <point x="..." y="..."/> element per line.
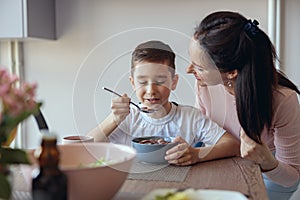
<point x="258" y="153"/>
<point x="182" y="154"/>
<point x="120" y="108"/>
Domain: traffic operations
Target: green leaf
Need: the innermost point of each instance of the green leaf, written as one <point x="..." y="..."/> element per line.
<point x="8" y="122"/>
<point x="5" y="188"/>
<point x="13" y="156"/>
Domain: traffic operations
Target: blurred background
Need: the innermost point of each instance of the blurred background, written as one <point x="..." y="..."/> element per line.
<point x="89" y="44"/>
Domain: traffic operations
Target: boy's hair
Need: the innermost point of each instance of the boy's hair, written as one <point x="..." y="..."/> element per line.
<point x="155" y="52"/>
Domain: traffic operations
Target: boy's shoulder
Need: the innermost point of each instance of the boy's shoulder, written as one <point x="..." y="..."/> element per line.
<point x="187" y="109"/>
<point x="188" y="112"/>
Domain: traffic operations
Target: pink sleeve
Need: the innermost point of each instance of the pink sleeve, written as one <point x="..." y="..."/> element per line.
<point x="287" y="141"/>
<point x="198" y="102"/>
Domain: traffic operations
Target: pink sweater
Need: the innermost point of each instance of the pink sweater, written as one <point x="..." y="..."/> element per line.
<point x="282" y="138"/>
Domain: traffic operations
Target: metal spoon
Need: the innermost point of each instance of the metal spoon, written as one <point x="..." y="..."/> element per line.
<point x="145" y="110"/>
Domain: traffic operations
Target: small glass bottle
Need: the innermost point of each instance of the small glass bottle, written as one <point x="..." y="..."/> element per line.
<point x="51" y="182"/>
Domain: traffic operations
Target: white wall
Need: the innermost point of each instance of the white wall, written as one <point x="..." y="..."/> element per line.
<point x="291" y="40"/>
<point x="95" y="39"/>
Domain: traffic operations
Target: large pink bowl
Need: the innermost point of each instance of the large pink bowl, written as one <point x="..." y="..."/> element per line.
<point x="94" y="183"/>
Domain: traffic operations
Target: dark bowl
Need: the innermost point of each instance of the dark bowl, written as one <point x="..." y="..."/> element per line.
<point x="152" y="153"/>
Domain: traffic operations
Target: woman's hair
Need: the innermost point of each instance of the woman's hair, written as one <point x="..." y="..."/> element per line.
<point x="233" y="42"/>
<point x="153" y="51"/>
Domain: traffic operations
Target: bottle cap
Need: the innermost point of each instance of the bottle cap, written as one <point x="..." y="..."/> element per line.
<point x="49" y="135"/>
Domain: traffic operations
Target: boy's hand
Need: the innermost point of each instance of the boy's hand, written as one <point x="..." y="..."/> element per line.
<point x="258" y="153"/>
<point x="182" y="154"/>
<point x="120" y="108"/>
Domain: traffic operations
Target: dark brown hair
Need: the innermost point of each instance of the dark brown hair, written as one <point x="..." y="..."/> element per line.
<point x="153" y="51"/>
<point x="233" y="42"/>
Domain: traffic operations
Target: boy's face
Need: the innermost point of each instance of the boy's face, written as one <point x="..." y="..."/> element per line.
<point x="153" y="83"/>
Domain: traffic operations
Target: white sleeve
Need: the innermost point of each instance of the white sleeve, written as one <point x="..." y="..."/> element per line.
<point x="121" y="135"/>
<point x="118" y="136"/>
<point x="209" y="131"/>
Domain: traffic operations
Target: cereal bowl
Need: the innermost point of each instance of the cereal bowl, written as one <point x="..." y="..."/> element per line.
<point x="149" y="148"/>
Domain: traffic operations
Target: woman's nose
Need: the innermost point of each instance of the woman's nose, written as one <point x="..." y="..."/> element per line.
<point x="190" y="69"/>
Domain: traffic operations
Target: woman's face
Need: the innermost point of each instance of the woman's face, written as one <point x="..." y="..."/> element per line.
<point x="202" y="66"/>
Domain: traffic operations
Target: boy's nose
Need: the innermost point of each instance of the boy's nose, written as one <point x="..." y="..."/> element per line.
<point x="190" y="69"/>
<point x="151" y="88"/>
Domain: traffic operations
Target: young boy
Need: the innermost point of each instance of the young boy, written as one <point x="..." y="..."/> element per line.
<point x="153" y="78"/>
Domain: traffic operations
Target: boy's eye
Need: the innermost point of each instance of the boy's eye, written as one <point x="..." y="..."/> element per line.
<point x="160" y="82"/>
<point x="143" y="82"/>
<point x="157" y="82"/>
<point x="146" y="82"/>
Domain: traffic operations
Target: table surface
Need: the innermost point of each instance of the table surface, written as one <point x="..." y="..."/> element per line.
<point x="234" y="174"/>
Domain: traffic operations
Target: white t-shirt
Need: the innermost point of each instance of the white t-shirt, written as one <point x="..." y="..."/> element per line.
<point x="185" y="121"/>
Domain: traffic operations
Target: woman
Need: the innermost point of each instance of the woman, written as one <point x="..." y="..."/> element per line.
<point x="239" y="88"/>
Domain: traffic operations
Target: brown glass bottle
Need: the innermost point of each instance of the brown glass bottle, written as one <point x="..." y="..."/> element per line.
<point x="51" y="182"/>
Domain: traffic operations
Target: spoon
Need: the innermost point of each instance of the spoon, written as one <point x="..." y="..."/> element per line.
<point x="143" y="109"/>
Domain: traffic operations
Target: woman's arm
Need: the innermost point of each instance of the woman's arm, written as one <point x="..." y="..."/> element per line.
<point x="259" y="153"/>
<point x="284" y="167"/>
<point x="184" y="154"/>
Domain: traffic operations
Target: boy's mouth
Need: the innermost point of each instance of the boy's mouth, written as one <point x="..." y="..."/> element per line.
<point x="152" y="100"/>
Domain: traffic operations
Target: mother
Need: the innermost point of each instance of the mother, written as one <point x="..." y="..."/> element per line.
<point x="254" y="102"/>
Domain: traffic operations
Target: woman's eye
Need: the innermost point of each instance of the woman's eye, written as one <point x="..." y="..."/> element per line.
<point x="199" y="69"/>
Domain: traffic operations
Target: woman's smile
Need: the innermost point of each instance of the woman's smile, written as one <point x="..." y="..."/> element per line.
<point x="197" y="76"/>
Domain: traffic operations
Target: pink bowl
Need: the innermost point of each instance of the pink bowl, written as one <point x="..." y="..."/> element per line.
<point x="94" y="183"/>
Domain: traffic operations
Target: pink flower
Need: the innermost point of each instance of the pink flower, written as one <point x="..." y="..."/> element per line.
<point x="17" y="103"/>
<point x="4" y="89"/>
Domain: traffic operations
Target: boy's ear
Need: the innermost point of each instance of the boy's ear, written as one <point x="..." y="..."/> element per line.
<point x="175" y="81"/>
<point x="132" y="82"/>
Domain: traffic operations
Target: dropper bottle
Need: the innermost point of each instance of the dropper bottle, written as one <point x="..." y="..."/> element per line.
<point x="51" y="182"/>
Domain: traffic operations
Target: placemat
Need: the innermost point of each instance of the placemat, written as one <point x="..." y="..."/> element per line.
<point x="158" y="172"/>
<point x="21" y="195"/>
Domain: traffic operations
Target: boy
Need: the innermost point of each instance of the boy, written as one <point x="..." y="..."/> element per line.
<point x="153" y="78"/>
